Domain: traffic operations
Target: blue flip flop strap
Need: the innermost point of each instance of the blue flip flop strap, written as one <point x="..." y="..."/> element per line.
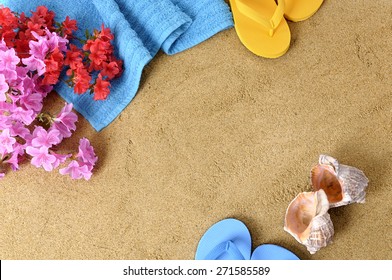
<point x="227" y="247"/>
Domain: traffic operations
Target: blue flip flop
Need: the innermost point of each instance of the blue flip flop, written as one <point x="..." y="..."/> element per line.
<point x="272" y="252"/>
<point x="228" y="239"/>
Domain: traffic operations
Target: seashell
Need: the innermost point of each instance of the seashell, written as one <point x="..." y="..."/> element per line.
<point x="308" y="221"/>
<point x="343" y="184"/>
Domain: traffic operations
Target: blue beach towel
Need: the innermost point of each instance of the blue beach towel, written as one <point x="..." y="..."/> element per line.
<point x="141" y="28"/>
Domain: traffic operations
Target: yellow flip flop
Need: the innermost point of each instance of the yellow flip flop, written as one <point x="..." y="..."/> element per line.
<point x="297" y="10"/>
<point x="261" y="26"/>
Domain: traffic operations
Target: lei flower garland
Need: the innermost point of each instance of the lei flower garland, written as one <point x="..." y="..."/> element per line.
<point x="33" y="52"/>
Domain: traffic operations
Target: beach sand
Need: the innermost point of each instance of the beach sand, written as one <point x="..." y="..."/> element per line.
<point x="217" y="132"/>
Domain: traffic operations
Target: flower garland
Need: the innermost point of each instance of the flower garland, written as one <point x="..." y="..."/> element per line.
<point x="33" y="53"/>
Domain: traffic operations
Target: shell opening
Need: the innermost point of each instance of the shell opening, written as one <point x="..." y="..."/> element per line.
<point x="300" y="213"/>
<point x="324" y="177"/>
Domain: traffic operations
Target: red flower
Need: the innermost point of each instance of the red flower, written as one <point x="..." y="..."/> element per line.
<point x="43" y="17"/>
<point x="36" y="27"/>
<point x="54" y="61"/>
<point x="82" y="80"/>
<point x="9" y="38"/>
<point x="54" y="64"/>
<point x="22" y="21"/>
<point x="105" y="34"/>
<point x="22" y="45"/>
<point x="69" y="26"/>
<point x="8" y="21"/>
<point x="101" y="88"/>
<point x="73" y="57"/>
<point x="98" y="46"/>
<point x="98" y="53"/>
<point x="50" y="78"/>
<point x="119" y="64"/>
<point x="110" y="70"/>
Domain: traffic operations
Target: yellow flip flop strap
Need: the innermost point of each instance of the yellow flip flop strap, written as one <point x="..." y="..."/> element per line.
<point x="269" y="24"/>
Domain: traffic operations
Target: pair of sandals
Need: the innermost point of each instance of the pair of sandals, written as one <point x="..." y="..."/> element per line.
<point x="261" y="24"/>
<point x="230" y="239"/>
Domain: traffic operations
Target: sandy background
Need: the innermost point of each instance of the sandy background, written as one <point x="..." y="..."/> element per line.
<point x="217" y="132"/>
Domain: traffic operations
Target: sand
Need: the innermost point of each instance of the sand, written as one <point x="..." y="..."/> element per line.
<point x="217" y="132"/>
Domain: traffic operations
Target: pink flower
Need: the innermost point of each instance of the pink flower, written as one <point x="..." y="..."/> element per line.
<point x="13" y="160"/>
<point x="8" y="59"/>
<point x="22" y="115"/>
<point x="55" y="41"/>
<point x="46" y="44"/>
<point x="76" y="171"/>
<point x="32" y="101"/>
<point x="10" y="75"/>
<point x="39" y="48"/>
<point x="21" y="72"/>
<point x="27" y="64"/>
<point x="86" y="152"/>
<point x="43" y="138"/>
<point x="8" y="62"/>
<point x="18" y="129"/>
<point x="3" y="88"/>
<point x="6" y="142"/>
<point x="33" y="63"/>
<point x="41" y="157"/>
<point x="59" y="159"/>
<point x="65" y="121"/>
<point x="26" y="85"/>
<point x="40" y="87"/>
<point x="5" y="121"/>
<point x="82" y="167"/>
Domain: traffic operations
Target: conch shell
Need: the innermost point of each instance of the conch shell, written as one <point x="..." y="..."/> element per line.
<point x="308" y="221"/>
<point x="343" y="184"/>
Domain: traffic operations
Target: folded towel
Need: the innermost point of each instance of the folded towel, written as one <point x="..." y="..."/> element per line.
<point x="141" y="28"/>
<point x="208" y="18"/>
<point x="175" y="25"/>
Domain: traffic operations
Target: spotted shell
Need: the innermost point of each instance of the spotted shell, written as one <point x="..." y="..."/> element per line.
<point x="343" y="184"/>
<point x="308" y="221"/>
